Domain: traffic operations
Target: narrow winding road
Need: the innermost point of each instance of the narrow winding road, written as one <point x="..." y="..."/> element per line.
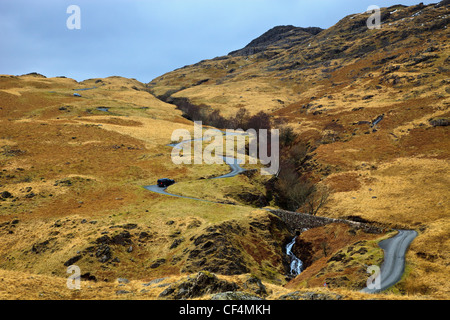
<point x="393" y="266"/>
<point x="394" y="248"/>
<point x="235" y="166"/>
<point x="235" y="170"/>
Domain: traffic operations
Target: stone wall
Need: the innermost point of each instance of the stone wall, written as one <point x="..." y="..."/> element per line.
<point x="299" y="221"/>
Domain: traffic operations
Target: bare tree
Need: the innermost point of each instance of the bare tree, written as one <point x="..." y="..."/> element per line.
<point x="240" y="120"/>
<point x="261" y="120"/>
<point x="292" y="190"/>
<point x="317" y="199"/>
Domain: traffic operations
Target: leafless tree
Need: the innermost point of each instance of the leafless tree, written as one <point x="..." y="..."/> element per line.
<point x="317" y="199"/>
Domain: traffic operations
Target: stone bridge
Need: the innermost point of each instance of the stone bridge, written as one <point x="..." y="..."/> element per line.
<point x="296" y="222"/>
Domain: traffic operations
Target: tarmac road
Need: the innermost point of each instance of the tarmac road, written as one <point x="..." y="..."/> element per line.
<point x="393" y="266"/>
<point x="235" y="170"/>
<point x="232" y="162"/>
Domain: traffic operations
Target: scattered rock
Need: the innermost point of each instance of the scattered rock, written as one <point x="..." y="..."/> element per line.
<point x="176" y="243"/>
<point x="120" y="292"/>
<point x="73" y="260"/>
<point x="130" y="226"/>
<point x="57" y="224"/>
<point x="156" y="281"/>
<point x="215" y="251"/>
<point x="197" y="286"/>
<point x="6" y="195"/>
<point x="236" y="295"/>
<point x="30" y="195"/>
<point x="443" y="122"/>
<point x="8" y="152"/>
<point x="65" y="182"/>
<point x="255" y="285"/>
<point x="41" y="247"/>
<point x="123" y="280"/>
<point x="144" y="235"/>
<point x="310" y="296"/>
<point x="427" y="256"/>
<point x="194" y="224"/>
<point x="88" y="277"/>
<point x="337" y="257"/>
<point x="258" y="200"/>
<point x="103" y="253"/>
<point x="123" y="238"/>
<point x="175" y="234"/>
<point x="157" y="263"/>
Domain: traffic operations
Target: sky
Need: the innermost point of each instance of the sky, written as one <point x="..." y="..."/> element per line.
<point x="144" y="39"/>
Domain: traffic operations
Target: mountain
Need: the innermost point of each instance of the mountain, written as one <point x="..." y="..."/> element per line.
<point x="287" y="64"/>
<point x="282" y="37"/>
<point x="373" y="103"/>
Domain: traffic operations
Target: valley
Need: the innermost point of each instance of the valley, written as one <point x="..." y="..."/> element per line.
<point x="365" y="144"/>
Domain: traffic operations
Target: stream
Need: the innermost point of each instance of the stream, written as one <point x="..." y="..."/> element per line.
<point x="296" y="263"/>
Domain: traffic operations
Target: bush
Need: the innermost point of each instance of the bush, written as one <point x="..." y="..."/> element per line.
<point x="210" y="117"/>
<point x="287" y="136"/>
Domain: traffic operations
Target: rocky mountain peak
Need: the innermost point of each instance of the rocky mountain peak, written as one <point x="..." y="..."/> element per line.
<point x="280" y="37"/>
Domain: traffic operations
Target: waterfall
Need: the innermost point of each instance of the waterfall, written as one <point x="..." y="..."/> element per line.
<point x="296" y="263"/>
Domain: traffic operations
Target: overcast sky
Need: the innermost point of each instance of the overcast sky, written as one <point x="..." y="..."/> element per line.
<point x="144" y="39"/>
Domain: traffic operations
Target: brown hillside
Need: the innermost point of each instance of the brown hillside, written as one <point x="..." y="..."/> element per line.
<point x="330" y="87"/>
<point x="372" y="104"/>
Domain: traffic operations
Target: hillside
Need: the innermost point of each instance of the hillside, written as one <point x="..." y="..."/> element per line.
<point x="331" y="87"/>
<point x="73" y="172"/>
<point x="372" y="106"/>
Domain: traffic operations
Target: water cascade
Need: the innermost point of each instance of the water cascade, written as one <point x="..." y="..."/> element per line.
<point x="296" y="263"/>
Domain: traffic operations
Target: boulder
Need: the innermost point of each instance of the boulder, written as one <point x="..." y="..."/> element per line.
<point x="6" y="195"/>
<point x="236" y="295"/>
<point x="197" y="286"/>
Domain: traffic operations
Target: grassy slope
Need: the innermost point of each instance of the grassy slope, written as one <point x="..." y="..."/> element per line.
<point x="76" y="174"/>
<point x="76" y="177"/>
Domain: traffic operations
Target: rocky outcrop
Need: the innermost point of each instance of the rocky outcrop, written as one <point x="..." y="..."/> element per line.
<point x="234" y="295"/>
<point x="297" y="295"/>
<point x="440" y="122"/>
<point x="103" y="247"/>
<point x="280" y="37"/>
<point x="206" y="283"/>
<point x="215" y="251"/>
<point x="234" y="248"/>
<point x="197" y="286"/>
